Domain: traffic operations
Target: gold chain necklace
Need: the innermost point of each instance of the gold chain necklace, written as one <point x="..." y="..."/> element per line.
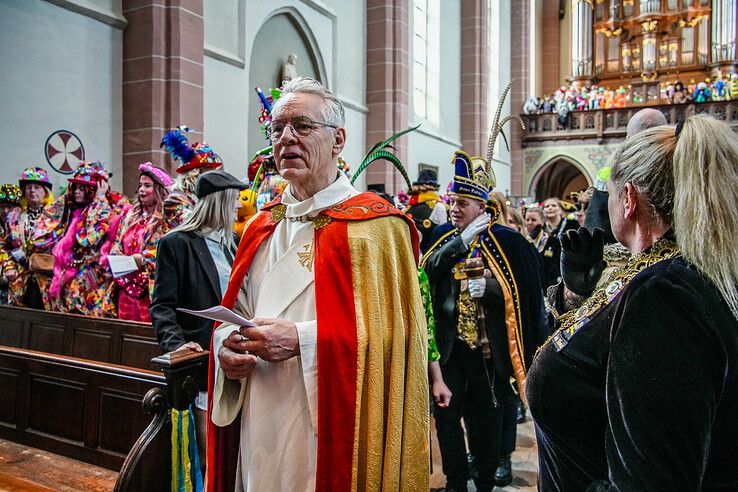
<point x="572" y="321"/>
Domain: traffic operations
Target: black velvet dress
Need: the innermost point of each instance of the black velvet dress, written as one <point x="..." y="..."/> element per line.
<point x="644" y="396"/>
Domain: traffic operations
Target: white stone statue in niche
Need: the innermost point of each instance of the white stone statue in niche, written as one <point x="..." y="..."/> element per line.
<point x="288" y="70"/>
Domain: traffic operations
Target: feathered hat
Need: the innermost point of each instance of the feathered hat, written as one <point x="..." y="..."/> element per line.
<point x="474" y="176"/>
<point x="10" y="193"/>
<point x="34" y="175"/>
<point x="89" y="173"/>
<point x="265" y="117"/>
<point x="191" y="156"/>
<point x="470" y="177"/>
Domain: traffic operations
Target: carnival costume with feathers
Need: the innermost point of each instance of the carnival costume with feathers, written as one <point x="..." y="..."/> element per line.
<point x="195" y="160"/>
<point x="79" y="280"/>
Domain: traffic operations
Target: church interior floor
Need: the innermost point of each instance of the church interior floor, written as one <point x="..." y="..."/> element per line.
<point x="524" y="461"/>
<point x="25" y="469"/>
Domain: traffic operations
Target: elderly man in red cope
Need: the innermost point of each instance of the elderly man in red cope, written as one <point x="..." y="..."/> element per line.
<point x="329" y="391"/>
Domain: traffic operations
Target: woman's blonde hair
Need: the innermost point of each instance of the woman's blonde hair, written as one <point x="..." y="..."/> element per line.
<point x="518" y="217"/>
<point x="689" y="181"/>
<point x="186" y="182"/>
<point x="214" y="212"/>
<point x="498" y="198"/>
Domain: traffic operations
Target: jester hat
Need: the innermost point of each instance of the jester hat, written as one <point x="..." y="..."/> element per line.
<point x="191" y="156"/>
<point x="89" y="173"/>
<point x="34" y="175"/>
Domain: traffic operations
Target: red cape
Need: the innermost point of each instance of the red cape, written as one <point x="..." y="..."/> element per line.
<point x="337" y="343"/>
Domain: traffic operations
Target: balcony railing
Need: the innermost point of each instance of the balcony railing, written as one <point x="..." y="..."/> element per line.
<point x="605" y="124"/>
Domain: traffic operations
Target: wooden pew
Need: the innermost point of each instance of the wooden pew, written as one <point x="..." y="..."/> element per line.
<point x="85" y="410"/>
<point x="84" y="388"/>
<point x="183" y="371"/>
<point x="125" y="343"/>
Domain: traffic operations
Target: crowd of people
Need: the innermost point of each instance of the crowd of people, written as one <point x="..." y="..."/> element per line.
<point x="615" y="322"/>
<point x="576" y="97"/>
<point x="63" y="254"/>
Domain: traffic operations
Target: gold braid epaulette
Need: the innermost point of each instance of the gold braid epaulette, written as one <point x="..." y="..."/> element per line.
<point x="572" y="321"/>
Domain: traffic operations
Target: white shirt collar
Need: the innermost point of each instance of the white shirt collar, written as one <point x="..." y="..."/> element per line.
<point x="338" y="191"/>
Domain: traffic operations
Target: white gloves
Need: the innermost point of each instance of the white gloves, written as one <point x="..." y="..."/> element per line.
<point x="476" y="287"/>
<point x="475" y="228"/>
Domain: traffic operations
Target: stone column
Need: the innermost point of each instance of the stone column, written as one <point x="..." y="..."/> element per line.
<point x="387" y="85"/>
<point x="551" y="80"/>
<point x="582" y="34"/>
<point x="520" y="17"/>
<point x="474" y="76"/>
<point x="162" y="79"/>
<point x="724" y="34"/>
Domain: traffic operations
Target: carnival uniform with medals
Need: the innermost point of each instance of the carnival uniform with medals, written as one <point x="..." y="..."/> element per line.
<point x="513" y="304"/>
<point x="655" y="310"/>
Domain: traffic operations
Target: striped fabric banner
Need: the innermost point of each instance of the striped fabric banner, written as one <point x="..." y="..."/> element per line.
<point x="186" y="474"/>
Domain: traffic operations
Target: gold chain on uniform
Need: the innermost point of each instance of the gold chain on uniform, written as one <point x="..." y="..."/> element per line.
<point x="573" y="320"/>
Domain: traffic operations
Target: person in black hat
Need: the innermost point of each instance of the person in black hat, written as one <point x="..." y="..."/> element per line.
<point x="192" y="269"/>
<point x="426" y="207"/>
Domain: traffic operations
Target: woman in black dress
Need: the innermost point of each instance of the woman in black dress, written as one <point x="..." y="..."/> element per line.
<point x="638" y="388"/>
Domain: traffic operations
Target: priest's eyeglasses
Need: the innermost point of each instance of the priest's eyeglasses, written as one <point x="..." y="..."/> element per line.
<point x="301" y="126"/>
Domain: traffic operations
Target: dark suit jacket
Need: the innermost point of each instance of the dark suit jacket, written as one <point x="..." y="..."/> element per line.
<point x="185" y="277"/>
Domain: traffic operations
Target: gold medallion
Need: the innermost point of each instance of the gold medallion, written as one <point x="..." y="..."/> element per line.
<point x="278" y="212"/>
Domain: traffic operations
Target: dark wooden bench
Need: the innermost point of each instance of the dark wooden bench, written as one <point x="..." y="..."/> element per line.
<point x="126" y="343"/>
<point x="63" y="390"/>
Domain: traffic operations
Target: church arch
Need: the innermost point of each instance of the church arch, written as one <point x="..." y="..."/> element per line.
<point x="284" y="31"/>
<point x="559" y="177"/>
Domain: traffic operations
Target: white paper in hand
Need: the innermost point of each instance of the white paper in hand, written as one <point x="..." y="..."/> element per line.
<point x="219" y="313"/>
<point x="122" y="265"/>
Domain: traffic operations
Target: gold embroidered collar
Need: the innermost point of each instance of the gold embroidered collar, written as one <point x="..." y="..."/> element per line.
<point x="572" y="321"/>
<point x="279" y="212"/>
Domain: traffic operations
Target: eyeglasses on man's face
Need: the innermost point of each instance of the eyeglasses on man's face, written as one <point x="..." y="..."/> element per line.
<point x="301" y="126"/>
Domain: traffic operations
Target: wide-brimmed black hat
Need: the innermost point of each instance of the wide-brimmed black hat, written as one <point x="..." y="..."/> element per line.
<point x="426" y="177"/>
<point x="214" y="181"/>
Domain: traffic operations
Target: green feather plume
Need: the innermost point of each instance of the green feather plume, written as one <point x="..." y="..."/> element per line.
<point x="377" y="152"/>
